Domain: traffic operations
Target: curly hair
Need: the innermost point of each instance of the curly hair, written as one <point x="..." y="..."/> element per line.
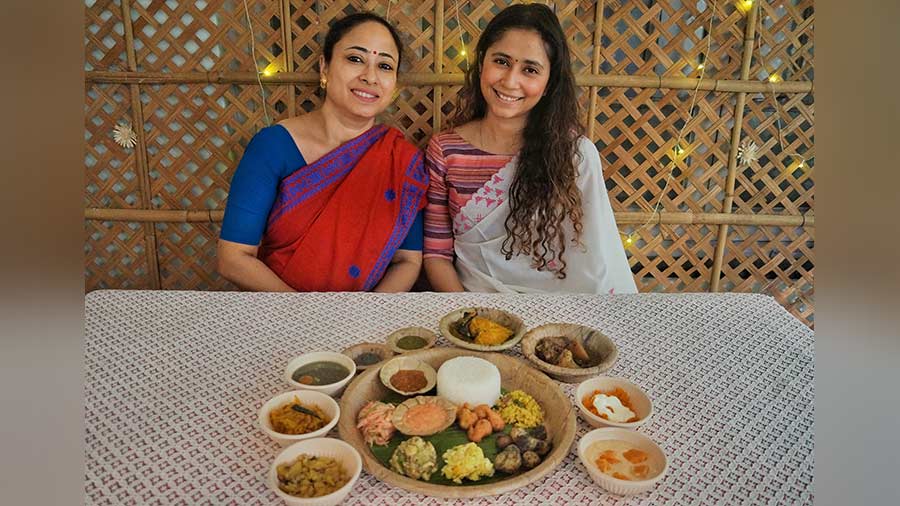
<point x="544" y="192"/>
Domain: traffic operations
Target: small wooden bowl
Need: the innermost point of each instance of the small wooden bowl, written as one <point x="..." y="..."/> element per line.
<point x="400" y="363"/>
<point x="356" y="350"/>
<point x="504" y="318"/>
<point x="429" y="337"/>
<point x="600" y="347"/>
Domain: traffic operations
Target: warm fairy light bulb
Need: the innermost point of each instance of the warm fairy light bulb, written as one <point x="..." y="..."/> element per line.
<point x="271" y="69"/>
<point x="745" y="5"/>
<point x="700" y="66"/>
<point x="679" y="150"/>
<point x="462" y="52"/>
<point x="774" y="78"/>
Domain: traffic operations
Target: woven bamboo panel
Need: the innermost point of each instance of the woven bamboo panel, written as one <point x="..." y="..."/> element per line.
<point x="776" y="183"/>
<point x="464" y="21"/>
<point x="115" y="256"/>
<point x="448" y="104"/>
<point x="195" y="137"/>
<point x="577" y="20"/>
<point x="775" y="261"/>
<point x="671" y="258"/>
<point x="636" y="133"/>
<point x="187" y="257"/>
<point x="205" y="35"/>
<point x="418" y="32"/>
<point x="110" y="175"/>
<point x="784" y="44"/>
<point x="669" y="38"/>
<point x="104" y="38"/>
<point x="411" y="111"/>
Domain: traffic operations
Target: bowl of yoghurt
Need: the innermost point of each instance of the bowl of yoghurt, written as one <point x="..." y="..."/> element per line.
<point x="606" y="401"/>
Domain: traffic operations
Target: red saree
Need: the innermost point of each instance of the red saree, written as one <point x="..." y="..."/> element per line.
<point x="336" y="223"/>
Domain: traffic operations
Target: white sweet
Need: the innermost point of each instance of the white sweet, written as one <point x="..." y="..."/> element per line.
<point x="612" y="407"/>
<point x="469" y="379"/>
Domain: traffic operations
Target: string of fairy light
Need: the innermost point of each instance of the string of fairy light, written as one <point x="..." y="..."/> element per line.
<point x="679" y="151"/>
<point x="462" y="40"/>
<point x="799" y="161"/>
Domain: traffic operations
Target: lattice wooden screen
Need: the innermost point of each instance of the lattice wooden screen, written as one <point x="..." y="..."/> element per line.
<point x="183" y="74"/>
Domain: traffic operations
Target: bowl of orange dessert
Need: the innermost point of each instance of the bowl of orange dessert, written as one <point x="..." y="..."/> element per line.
<point x="607" y="401"/>
<point x="622" y="461"/>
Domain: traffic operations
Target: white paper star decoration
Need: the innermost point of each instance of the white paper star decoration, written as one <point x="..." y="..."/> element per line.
<point x="748" y="152"/>
<point x="124" y="136"/>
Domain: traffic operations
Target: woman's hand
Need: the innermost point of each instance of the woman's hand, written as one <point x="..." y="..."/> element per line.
<point x="237" y="263"/>
<point x="402" y="273"/>
<point x="442" y="275"/>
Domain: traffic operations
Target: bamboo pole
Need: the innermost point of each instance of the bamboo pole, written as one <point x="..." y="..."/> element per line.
<point x="451" y="79"/>
<point x="140" y="149"/>
<point x="287" y="36"/>
<point x="438" y="64"/>
<point x="595" y="65"/>
<point x="722" y="236"/>
<point x="622" y="217"/>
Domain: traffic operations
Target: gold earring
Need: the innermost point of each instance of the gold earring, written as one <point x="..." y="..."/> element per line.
<point x="323" y="83"/>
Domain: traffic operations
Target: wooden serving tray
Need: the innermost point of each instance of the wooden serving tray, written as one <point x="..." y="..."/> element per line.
<point x="515" y="374"/>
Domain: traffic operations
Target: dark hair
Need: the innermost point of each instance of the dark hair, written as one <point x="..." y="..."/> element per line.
<point x="340" y="28"/>
<point x="544" y="191"/>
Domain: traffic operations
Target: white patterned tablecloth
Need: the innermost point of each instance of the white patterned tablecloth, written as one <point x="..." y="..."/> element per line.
<point x="174" y="381"/>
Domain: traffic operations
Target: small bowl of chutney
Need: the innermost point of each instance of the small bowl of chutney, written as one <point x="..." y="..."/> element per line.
<point x="322" y="371"/>
<point x="367" y="355"/>
<point x="411" y="339"/>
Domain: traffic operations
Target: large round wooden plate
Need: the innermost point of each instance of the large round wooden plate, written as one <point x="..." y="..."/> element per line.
<point x="515" y="374"/>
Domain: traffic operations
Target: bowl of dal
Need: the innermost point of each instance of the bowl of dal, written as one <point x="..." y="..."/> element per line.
<point x="322" y="371"/>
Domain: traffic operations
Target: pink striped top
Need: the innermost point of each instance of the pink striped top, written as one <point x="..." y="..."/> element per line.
<point x="457" y="170"/>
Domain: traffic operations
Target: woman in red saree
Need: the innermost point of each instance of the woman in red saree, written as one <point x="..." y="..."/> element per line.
<point x="330" y="201"/>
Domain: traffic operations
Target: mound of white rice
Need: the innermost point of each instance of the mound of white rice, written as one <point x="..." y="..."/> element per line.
<point x="469" y="379"/>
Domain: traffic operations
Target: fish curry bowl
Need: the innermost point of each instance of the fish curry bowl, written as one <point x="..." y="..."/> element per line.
<point x="506" y="426"/>
<point x="482" y="328"/>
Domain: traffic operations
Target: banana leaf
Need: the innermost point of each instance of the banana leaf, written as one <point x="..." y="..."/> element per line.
<point x="443" y="441"/>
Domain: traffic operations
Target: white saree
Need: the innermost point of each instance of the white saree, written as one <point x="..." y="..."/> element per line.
<point x="599" y="267"/>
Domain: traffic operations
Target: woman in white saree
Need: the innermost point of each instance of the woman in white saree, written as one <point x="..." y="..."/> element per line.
<point x="516" y="201"/>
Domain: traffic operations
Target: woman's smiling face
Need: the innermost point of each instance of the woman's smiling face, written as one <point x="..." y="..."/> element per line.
<point x="362" y="73"/>
<point x="514" y="74"/>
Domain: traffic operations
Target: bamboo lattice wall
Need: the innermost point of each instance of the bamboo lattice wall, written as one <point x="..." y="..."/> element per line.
<point x="182" y="73"/>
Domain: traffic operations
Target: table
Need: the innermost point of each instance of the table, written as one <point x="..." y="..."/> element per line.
<point x="174" y="381"/>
